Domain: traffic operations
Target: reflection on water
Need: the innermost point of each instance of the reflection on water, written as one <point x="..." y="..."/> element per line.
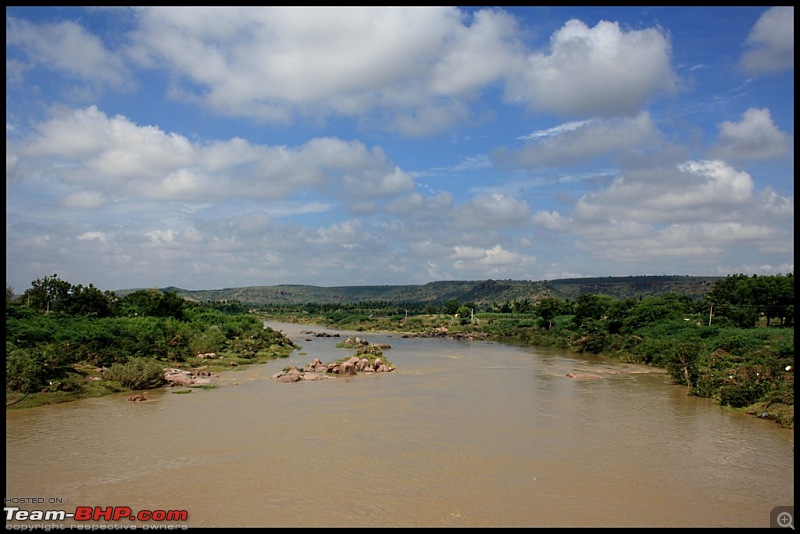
<point x="461" y="434"/>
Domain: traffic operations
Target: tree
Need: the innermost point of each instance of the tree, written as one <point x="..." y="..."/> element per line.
<point x="153" y="303"/>
<point x="451" y="307"/>
<point x="742" y="299"/>
<point x="431" y="309"/>
<point x="47" y="294"/>
<point x="465" y="312"/>
<point x="521" y="305"/>
<point x="591" y="306"/>
<point x="90" y="301"/>
<point x="549" y="308"/>
<point x="655" y="309"/>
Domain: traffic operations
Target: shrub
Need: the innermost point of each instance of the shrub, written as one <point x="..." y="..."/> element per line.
<point x="137" y="373"/>
<point x="27" y="371"/>
<point x="210" y="340"/>
<point x="682" y="363"/>
<point x="745" y="386"/>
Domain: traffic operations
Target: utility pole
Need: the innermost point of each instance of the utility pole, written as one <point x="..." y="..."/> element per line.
<point x="710" y="313"/>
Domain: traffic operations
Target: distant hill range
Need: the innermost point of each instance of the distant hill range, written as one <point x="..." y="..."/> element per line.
<point x="479" y="292"/>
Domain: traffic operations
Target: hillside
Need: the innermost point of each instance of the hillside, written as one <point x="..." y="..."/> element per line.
<point x="479" y="292"/>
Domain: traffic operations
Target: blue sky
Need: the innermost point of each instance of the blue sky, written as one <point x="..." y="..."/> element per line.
<point x="209" y="148"/>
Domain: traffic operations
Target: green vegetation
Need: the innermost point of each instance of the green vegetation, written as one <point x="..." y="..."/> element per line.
<point x="482" y="292"/>
<point x="65" y="342"/>
<point x="735" y="345"/>
<point x="727" y="339"/>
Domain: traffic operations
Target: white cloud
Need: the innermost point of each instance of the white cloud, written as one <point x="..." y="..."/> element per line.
<point x="11" y="162"/>
<point x="551" y="220"/>
<point x="554" y="131"/>
<point x="490" y="261"/>
<point x="694" y="190"/>
<point x="84" y="200"/>
<point x="186" y="182"/>
<point x="418" y="207"/>
<point x="582" y="141"/>
<point x="771" y="42"/>
<point x="163" y="236"/>
<point x="755" y="137"/>
<point x="67" y="47"/>
<point x="415" y="68"/>
<point x="601" y="71"/>
<point x="113" y="156"/>
<point x="406" y="69"/>
<point x="702" y="208"/>
<point x="477" y="55"/>
<point x="99" y="236"/>
<point x="492" y="211"/>
<point x="347" y="234"/>
<point x="355" y="60"/>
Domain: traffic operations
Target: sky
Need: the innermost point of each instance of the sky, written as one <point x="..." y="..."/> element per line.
<point x="210" y="148"/>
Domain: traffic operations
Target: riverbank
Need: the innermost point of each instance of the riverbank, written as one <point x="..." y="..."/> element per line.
<point x="87" y="381"/>
<point x="93" y="384"/>
<point x="777" y="406"/>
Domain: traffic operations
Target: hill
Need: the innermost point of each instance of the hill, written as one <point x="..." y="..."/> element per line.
<point x="479" y="292"/>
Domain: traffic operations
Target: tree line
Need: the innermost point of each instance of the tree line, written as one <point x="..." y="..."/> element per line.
<point x="736" y="300"/>
<point x="59" y="334"/>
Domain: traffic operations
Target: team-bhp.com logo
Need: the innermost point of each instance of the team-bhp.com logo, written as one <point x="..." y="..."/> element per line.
<point x="94" y="514"/>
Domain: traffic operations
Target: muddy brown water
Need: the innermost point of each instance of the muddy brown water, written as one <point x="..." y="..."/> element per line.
<point x="463" y="433"/>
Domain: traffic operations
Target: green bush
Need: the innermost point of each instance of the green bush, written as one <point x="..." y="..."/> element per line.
<point x="30" y="331"/>
<point x="27" y="371"/>
<point x="137" y="373"/>
<point x="210" y="340"/>
<point x="745" y="386"/>
<point x="682" y="362"/>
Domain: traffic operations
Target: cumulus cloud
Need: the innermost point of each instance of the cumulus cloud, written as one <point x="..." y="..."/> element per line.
<point x="771" y="42"/>
<point x="755" y="137"/>
<point x="578" y="142"/>
<point x="112" y="156"/>
<point x="691" y="191"/>
<point x="418" y="207"/>
<point x="600" y="71"/>
<point x="67" y="47"/>
<point x="355" y="60"/>
<point x="410" y="70"/>
<point x="492" y="211"/>
<point x="551" y="220"/>
<point x="490" y="261"/>
<point x="289" y="186"/>
<point x="698" y="208"/>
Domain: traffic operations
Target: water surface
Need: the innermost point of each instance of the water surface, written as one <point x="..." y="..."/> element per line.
<point x="463" y="433"/>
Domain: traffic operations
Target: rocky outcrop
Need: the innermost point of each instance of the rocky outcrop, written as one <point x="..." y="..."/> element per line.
<point x="318" y="334"/>
<point x="367" y="359"/>
<point x="317" y="370"/>
<point x="443" y="332"/>
<point x="187" y="378"/>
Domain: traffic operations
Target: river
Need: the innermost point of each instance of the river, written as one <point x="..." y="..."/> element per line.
<point x="461" y="434"/>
